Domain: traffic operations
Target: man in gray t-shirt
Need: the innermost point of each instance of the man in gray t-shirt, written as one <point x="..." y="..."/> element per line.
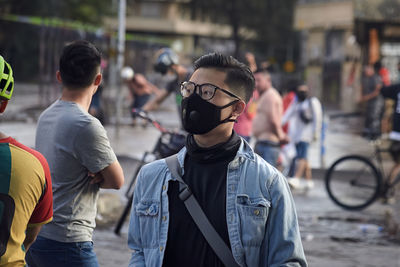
<point x="81" y="161"/>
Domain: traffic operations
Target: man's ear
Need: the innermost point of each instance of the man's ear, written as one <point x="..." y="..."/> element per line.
<point x="3" y="105"/>
<point x="97" y="79"/>
<point x="239" y="107"/>
<point x="58" y="75"/>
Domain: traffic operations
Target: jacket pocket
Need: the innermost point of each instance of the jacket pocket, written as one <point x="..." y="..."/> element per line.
<point x="148" y="213"/>
<point x="253" y="214"/>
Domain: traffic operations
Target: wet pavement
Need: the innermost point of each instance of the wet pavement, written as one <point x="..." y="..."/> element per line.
<point x="331" y="236"/>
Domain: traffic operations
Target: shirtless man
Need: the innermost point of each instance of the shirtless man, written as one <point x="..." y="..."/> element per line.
<point x="140" y="89"/>
<point x="267" y="127"/>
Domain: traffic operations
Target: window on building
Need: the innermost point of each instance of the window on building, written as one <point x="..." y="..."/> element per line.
<point x="151" y="10"/>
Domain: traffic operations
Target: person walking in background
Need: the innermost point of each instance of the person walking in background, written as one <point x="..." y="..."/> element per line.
<point x="371" y="86"/>
<point x="251" y="61"/>
<point x="243" y="125"/>
<point x="305" y="114"/>
<point x="26" y="200"/>
<point x="288" y="152"/>
<point x="243" y="197"/>
<point x="267" y="126"/>
<point x="384" y="74"/>
<point x="96" y="106"/>
<point x="167" y="62"/>
<point x="393" y="92"/>
<point x="140" y="89"/>
<point x="244" y="122"/>
<point x="81" y="161"/>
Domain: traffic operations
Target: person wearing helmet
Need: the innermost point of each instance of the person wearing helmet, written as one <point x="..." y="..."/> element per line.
<point x="167" y="62"/>
<point x="81" y="160"/>
<point x="139" y="87"/>
<point x="26" y="199"/>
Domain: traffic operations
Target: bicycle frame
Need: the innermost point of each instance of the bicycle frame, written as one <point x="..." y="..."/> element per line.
<point x="386" y="183"/>
<point x="156" y="152"/>
<point x="378" y="156"/>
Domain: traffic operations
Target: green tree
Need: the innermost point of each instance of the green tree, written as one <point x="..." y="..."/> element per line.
<point x="271" y="20"/>
<point x="33" y="48"/>
<point x="86" y="11"/>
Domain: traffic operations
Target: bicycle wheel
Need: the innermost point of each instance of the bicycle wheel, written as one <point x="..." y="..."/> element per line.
<point x="353" y="182"/>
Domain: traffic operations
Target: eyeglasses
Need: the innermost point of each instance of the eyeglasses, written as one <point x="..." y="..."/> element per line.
<point x="206" y="90"/>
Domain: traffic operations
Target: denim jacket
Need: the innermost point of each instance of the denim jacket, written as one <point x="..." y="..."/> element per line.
<point x="260" y="213"/>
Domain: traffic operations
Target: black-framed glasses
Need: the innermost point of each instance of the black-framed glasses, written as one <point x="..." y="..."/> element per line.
<point x="206" y="90"/>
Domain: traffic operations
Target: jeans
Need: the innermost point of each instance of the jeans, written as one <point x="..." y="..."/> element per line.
<point x="46" y="252"/>
<point x="269" y="151"/>
<point x="301" y="150"/>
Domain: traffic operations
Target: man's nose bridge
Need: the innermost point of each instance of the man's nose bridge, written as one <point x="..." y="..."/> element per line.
<point x="197" y="89"/>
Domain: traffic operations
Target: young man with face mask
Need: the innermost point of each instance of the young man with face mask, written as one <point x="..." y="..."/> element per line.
<point x="305" y="121"/>
<point x="247" y="201"/>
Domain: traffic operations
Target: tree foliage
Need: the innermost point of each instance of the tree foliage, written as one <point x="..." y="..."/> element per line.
<point x="87" y="11"/>
<point x="271" y="20"/>
<point x="36" y="58"/>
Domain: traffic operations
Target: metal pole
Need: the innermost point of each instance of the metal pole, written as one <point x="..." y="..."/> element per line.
<point x="120" y="58"/>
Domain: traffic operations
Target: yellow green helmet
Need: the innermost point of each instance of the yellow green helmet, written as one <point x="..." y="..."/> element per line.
<point x="6" y="79"/>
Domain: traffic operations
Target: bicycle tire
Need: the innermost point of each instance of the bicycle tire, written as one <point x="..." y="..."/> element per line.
<point x="128" y="205"/>
<point x="353" y="182"/>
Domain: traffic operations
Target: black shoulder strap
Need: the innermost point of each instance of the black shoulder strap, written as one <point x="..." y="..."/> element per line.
<point x="199" y="217"/>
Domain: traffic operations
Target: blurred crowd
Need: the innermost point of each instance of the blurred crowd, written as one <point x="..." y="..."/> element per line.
<point x="228" y="108"/>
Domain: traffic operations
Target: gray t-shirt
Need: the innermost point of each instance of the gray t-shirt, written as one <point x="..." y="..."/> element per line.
<point x="74" y="143"/>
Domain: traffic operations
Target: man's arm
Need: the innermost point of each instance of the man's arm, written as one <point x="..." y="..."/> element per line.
<point x="155" y="102"/>
<point x="93" y="150"/>
<point x="372" y="95"/>
<point x="154" y="89"/>
<point x="276" y="124"/>
<point x="282" y="242"/>
<point x="31" y="233"/>
<point x="111" y="177"/>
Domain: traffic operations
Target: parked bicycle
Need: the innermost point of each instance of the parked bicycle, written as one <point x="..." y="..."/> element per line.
<point x="169" y="143"/>
<point x="354" y="182"/>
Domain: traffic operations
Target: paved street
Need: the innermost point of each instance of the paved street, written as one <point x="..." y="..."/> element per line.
<point x="331" y="236"/>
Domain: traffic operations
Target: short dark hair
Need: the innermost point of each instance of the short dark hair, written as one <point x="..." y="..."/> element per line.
<point x="79" y="64"/>
<point x="238" y="75"/>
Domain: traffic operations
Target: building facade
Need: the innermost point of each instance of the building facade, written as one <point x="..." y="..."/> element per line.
<point x="339" y="37"/>
<point x="173" y="24"/>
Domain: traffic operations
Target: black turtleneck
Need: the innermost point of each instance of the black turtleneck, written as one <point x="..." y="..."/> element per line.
<point x="205" y="174"/>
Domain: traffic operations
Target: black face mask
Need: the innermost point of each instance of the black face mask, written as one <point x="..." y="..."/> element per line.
<point x="302" y="95"/>
<point x="200" y="116"/>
